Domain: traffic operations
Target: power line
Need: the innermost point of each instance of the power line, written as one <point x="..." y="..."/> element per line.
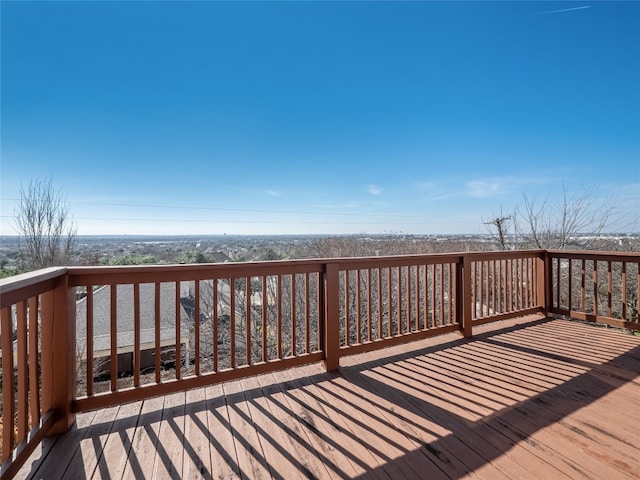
<point x="226" y="209"/>
<point x="180" y="220"/>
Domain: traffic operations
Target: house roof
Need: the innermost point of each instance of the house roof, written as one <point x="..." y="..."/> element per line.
<point x="125" y="317"/>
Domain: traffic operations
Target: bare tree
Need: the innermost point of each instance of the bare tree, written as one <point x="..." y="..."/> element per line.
<point x="45" y="225"/>
<point x="549" y="225"/>
<point x="499" y="228"/>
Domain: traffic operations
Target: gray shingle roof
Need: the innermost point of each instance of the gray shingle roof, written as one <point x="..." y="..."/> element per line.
<point x="125" y="320"/>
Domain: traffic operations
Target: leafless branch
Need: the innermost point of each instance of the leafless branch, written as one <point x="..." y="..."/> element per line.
<point x="44" y="224"/>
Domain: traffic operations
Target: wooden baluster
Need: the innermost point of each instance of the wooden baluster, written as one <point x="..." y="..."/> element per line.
<point x="417" y="301"/>
<point x="390" y="304"/>
<point x="196" y="327"/>
<point x="569" y="284"/>
<point x="595" y="287"/>
<point x="178" y="315"/>
<point x="347" y="310"/>
<point x="23" y="369"/>
<point x="34" y="361"/>
<point x="331" y="317"/>
<point x="473" y="287"/>
<point x="559" y="278"/>
<point x="8" y="392"/>
<point x="114" y="336"/>
<point x="623" y="291"/>
<point x="408" y="303"/>
<point x="248" y="319"/>
<point x="400" y="302"/>
<point x="379" y="278"/>
<point x="136" y="334"/>
<point x="214" y="320"/>
<point x="279" y="316"/>
<point x="293" y="314"/>
<point x="451" y="289"/>
<point x="358" y="308"/>
<point x="89" y="340"/>
<point x="583" y="279"/>
<point x="265" y="320"/>
<point x="441" y="294"/>
<point x="156" y="325"/>
<point x="232" y="320"/>
<point x="307" y="314"/>
<point x="609" y="288"/>
<point x="369" y="326"/>
<point x="426" y="296"/>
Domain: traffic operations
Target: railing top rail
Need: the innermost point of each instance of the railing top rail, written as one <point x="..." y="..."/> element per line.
<point x="396" y="260"/>
<point x="30" y="278"/>
<point x="262" y="265"/>
<point x="185" y="272"/>
<point x="440" y="256"/>
<point x="175" y="272"/>
<point x="478" y="256"/>
<point x="190" y="267"/>
<point x="595" y="255"/>
<point x="25" y="285"/>
<point x="29" y="282"/>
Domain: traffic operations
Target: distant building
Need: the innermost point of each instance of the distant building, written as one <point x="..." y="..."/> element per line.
<point x="220" y="257"/>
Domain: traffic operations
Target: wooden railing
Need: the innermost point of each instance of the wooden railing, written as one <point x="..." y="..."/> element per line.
<point x="601" y="287"/>
<point x="37" y="368"/>
<point x="200" y="324"/>
<point x="81" y="338"/>
<point x="506" y="285"/>
<point x="383" y="301"/>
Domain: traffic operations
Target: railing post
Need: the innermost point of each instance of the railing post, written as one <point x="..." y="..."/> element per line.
<point x="58" y="316"/>
<point x="331" y="328"/>
<point x="543" y="281"/>
<point x="463" y="296"/>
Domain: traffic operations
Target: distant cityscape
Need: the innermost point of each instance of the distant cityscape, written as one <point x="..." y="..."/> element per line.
<point x="142" y="249"/>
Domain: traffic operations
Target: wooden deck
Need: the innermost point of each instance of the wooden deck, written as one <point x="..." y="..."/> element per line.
<point x="529" y="399"/>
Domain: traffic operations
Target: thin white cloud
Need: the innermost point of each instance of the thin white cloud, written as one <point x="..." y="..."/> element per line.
<point x="273" y="193"/>
<point x="374" y="190"/>
<point x="426" y="185"/>
<point x="338" y="206"/>
<point x="480" y="187"/>
<point x="484" y="189"/>
<point x="573" y="9"/>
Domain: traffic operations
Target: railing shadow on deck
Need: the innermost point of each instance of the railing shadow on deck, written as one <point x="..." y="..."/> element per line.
<point x="518" y="422"/>
<point x="433" y="440"/>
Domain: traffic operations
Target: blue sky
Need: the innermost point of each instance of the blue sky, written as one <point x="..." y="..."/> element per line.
<point x="318" y="117"/>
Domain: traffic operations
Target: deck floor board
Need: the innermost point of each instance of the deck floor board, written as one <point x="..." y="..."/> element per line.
<point x="524" y="399"/>
<point x="145" y="441"/>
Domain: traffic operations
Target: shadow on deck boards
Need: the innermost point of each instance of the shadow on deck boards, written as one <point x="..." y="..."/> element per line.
<point x="501" y="404"/>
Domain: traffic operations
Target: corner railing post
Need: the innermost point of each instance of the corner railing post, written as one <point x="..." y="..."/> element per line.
<point x="464" y="298"/>
<point x="58" y="316"/>
<point x="542" y="282"/>
<point x="331" y="318"/>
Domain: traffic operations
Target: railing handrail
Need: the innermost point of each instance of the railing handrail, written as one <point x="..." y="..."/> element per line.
<point x="24" y="280"/>
<point x="595" y="255"/>
<point x="19" y="287"/>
